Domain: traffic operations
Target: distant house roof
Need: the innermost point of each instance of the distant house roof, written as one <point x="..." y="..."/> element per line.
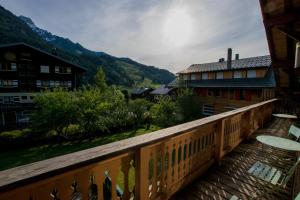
<point x="140" y="91"/>
<point x="266" y="82"/>
<point x="252" y="62"/>
<point x="163" y="90"/>
<point x="42" y="51"/>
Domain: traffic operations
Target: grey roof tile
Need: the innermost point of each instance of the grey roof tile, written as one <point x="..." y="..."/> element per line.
<point x="252" y="62"/>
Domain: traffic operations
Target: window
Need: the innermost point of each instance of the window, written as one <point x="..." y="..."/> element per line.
<point x="208" y="110"/>
<point x="16" y="99"/>
<point x="13" y="67"/>
<point x="251" y="74"/>
<point x="237" y="74"/>
<point x="204" y="76"/>
<point x="44" y="69"/>
<point x="15" y="83"/>
<point x="210" y="93"/>
<point x="44" y="83"/>
<point x="8" y="100"/>
<point x="9" y="83"/>
<point x="66" y="83"/>
<point x="38" y="83"/>
<point x="8" y="67"/>
<point x="220" y="75"/>
<point x="56" y="69"/>
<point x="57" y="83"/>
<point x="63" y="70"/>
<point x="193" y="76"/>
<point x="186" y="77"/>
<point x="24" y="97"/>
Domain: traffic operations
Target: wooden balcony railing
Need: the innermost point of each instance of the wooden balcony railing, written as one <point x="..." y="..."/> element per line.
<point x="151" y="166"/>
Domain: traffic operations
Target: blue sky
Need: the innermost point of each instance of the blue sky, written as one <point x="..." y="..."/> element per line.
<point x="170" y="34"/>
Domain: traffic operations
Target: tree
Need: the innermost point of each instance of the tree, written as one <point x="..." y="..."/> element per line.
<point x="164" y="112"/>
<point x="99" y="79"/>
<point x="56" y="110"/>
<point x="139" y="110"/>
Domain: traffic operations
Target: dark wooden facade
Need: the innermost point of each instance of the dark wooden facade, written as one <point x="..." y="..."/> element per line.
<point x="282" y="24"/>
<point x="24" y="72"/>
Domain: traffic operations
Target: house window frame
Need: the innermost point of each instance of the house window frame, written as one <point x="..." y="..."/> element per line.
<point x="204" y="76"/>
<point x="221" y="75"/>
<point x="239" y="73"/>
<point x="193" y="77"/>
<point x="251" y="73"/>
<point x="44" y="69"/>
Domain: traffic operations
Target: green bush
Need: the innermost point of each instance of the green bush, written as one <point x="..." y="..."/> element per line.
<point x="164" y="112"/>
<point x="189" y="105"/>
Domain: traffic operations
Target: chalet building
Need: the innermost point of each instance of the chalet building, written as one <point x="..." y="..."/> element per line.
<point x="24" y="72"/>
<point x="231" y="84"/>
<point x="141" y="93"/>
<point x="164" y="91"/>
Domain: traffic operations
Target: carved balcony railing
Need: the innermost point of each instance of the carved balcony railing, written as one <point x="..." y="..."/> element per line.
<point x="151" y="166"/>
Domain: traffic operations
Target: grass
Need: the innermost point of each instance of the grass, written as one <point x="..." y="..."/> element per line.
<point x="19" y="157"/>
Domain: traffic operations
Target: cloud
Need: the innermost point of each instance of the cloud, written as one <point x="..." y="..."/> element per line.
<point x="171" y="34"/>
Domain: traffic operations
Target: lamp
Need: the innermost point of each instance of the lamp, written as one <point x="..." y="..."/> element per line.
<point x="297" y="55"/>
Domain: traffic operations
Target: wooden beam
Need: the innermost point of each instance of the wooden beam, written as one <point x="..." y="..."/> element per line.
<point x="283" y="64"/>
<point x="282" y="19"/>
<point x="290" y="33"/>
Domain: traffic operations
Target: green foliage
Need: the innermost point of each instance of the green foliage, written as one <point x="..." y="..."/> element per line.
<point x="139" y="112"/>
<point x="164" y="112"/>
<point x="189" y="105"/>
<point x="99" y="79"/>
<point x="56" y="110"/>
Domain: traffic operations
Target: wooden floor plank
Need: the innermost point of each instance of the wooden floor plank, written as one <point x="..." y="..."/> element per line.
<point x="232" y="176"/>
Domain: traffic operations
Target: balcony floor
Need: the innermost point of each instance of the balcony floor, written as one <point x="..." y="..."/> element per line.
<point x="231" y="177"/>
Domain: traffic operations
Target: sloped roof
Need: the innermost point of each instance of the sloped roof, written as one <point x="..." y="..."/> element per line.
<point x="162" y="90"/>
<point x="42" y="51"/>
<point x="252" y="62"/>
<point x="266" y="82"/>
<point x="140" y="90"/>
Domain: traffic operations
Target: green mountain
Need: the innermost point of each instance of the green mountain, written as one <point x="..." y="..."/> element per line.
<point x="119" y="71"/>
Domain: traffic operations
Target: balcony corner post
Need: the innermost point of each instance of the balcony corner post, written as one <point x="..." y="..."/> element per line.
<point x="220" y="128"/>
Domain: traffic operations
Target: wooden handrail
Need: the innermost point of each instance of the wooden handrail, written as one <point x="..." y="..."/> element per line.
<point x="196" y="145"/>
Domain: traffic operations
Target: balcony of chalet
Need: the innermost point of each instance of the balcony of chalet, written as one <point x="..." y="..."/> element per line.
<point x="217" y="157"/>
<point x="210" y="158"/>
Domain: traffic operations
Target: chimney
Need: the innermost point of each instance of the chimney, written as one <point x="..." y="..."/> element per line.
<point x="237" y="56"/>
<point x="221" y="60"/>
<point x="229" y="58"/>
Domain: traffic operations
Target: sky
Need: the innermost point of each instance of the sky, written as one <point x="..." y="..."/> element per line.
<point x="170" y="34"/>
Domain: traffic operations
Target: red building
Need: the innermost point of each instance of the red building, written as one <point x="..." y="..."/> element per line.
<point x="231" y="84"/>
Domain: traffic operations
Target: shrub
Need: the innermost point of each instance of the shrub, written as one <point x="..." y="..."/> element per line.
<point x="164" y="112"/>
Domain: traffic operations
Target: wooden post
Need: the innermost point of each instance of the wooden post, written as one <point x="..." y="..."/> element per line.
<point x="137" y="166"/>
<point x="219" y="139"/>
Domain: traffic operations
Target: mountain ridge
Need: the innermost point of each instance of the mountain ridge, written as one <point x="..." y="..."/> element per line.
<point x="119" y="71"/>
